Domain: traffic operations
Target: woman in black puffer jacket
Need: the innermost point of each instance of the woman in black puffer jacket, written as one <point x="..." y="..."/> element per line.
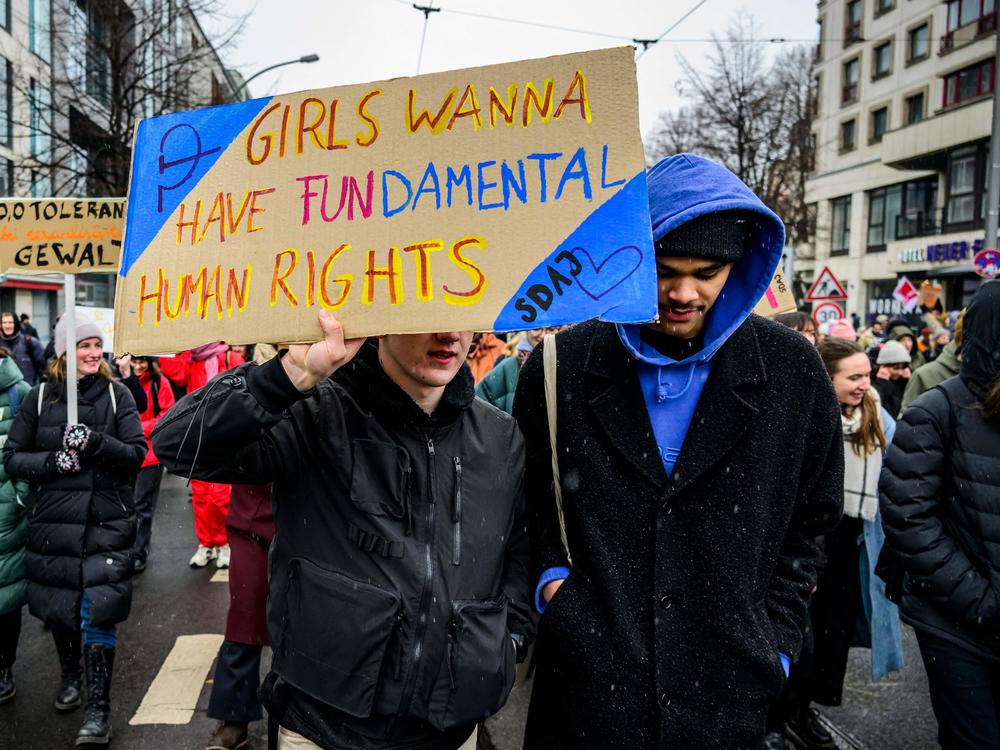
<point x="940" y="499"/>
<point x="81" y="516"/>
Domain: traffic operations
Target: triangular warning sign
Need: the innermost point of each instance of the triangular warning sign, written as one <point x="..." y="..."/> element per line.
<point x="826" y="287"/>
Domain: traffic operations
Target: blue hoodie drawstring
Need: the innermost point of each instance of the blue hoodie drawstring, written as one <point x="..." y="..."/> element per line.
<point x="661" y="387"/>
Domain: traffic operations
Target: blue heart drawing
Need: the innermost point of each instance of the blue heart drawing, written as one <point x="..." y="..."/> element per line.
<point x="600" y="278"/>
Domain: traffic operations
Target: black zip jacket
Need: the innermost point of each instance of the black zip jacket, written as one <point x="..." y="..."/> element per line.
<point x="399" y="566"/>
<point x="81" y="526"/>
<point x="940" y="495"/>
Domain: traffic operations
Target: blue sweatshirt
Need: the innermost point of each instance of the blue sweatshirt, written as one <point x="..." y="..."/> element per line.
<point x="682" y="188"/>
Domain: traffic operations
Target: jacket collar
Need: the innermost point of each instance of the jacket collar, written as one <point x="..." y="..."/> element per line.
<point x="723" y="415"/>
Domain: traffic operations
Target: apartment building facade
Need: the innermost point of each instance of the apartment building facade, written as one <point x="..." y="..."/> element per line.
<point x="903" y="116"/>
<point x="59" y="67"/>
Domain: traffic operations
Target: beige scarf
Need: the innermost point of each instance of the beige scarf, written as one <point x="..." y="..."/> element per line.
<point x="860" y="473"/>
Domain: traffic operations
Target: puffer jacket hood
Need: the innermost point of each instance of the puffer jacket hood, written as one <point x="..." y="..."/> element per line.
<point x="682" y="188"/>
<point x="981" y="340"/>
<point x="10" y="373"/>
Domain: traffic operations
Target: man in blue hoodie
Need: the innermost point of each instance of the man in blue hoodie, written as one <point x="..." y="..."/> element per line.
<point x="700" y="456"/>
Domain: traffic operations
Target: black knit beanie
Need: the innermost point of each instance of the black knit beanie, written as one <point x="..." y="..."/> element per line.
<point x="720" y="236"/>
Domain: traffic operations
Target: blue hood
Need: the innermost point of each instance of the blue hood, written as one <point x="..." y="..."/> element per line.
<point x="682" y="188"/>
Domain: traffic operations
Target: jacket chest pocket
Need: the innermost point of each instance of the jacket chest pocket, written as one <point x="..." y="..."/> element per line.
<point x="478" y="669"/>
<point x="336" y="635"/>
<point x="380" y="478"/>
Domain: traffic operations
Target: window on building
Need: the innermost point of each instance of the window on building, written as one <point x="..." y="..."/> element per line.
<point x="40" y="119"/>
<point x="6" y="103"/>
<point x="41" y="184"/>
<point x="5" y="14"/>
<point x="6" y="178"/>
<point x="840" y="225"/>
<point x="884" y="6"/>
<point x="848" y="135"/>
<point x="815" y="92"/>
<point x="901" y="211"/>
<point x="849" y="92"/>
<point x="883" y="60"/>
<point x="915" y="108"/>
<point x="961" y="206"/>
<point x="819" y="44"/>
<point x="852" y="22"/>
<point x="920" y="42"/>
<point x="880" y="123"/>
<point x="964" y="12"/>
<point x="39" y="19"/>
<point x="968" y="83"/>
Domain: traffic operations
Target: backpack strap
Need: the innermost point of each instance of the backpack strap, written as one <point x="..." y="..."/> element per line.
<point x="114" y="400"/>
<point x="551" y="407"/>
<point x="41" y="393"/>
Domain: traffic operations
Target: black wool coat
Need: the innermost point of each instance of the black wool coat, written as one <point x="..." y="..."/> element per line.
<point x="684" y="589"/>
<point x="81" y="527"/>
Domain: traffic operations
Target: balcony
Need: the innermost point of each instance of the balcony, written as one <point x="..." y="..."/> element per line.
<point x="986" y="24"/>
<point x="922" y="145"/>
<point x="970" y="32"/>
<point x="947" y="43"/>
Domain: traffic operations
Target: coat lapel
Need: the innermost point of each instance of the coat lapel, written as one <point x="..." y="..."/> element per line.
<point x="619" y="407"/>
<point x="725" y="410"/>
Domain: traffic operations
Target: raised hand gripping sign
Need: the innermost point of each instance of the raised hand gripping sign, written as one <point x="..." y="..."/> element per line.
<point x="497" y="198"/>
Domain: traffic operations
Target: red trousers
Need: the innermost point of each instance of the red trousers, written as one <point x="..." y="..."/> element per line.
<point x="211" y="501"/>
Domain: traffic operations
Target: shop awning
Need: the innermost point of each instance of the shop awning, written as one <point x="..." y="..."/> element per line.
<point x="43" y="286"/>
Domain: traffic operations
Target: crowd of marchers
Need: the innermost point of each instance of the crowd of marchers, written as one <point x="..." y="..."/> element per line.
<point x="671" y="533"/>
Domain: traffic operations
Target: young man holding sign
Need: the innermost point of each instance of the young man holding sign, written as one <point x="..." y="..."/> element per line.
<point x="700" y="456"/>
<point x="399" y="591"/>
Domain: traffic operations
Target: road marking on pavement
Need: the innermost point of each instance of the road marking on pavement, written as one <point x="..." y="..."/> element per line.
<point x="221" y="576"/>
<point x="173" y="694"/>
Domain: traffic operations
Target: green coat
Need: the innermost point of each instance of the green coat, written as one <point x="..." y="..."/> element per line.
<point x="498" y="387"/>
<point x="13" y="521"/>
<point x="932" y="374"/>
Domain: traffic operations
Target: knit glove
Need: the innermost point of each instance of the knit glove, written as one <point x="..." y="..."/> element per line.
<point x="80" y="438"/>
<point x="67" y="461"/>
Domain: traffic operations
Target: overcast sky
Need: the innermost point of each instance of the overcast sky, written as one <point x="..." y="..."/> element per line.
<point x="371" y="40"/>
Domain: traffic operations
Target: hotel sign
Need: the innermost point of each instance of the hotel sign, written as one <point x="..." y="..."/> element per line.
<point x="942" y="252"/>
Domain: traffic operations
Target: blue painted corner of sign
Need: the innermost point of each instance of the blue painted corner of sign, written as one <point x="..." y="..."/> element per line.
<point x="172" y="154"/>
<point x="605" y="269"/>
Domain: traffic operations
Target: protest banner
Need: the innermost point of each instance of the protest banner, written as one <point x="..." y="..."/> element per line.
<point x="61" y="235"/>
<point x="777" y="299"/>
<point x="496" y="198"/>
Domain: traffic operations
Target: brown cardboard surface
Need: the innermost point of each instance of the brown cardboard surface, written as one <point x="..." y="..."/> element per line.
<point x="778" y="299"/>
<point x="291" y="218"/>
<point x="61" y="235"/>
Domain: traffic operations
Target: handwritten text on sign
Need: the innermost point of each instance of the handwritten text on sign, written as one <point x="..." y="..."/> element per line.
<point x="504" y="198"/>
<point x="61" y="235"/>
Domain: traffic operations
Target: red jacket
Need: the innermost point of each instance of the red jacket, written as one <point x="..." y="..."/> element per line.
<point x="203" y="370"/>
<point x="152" y="415"/>
<point x="176" y="368"/>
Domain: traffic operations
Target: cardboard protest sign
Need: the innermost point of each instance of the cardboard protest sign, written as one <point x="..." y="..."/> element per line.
<point x="497" y="198"/>
<point x="777" y="299"/>
<point x="61" y="235"/>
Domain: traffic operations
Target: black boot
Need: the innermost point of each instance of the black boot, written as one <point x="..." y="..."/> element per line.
<point x="67" y="643"/>
<point x="96" y="728"/>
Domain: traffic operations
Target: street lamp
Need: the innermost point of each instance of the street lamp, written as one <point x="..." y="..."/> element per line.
<point x="303" y="59"/>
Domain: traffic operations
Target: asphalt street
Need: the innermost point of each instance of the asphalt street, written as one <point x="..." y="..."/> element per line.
<point x="172" y="601"/>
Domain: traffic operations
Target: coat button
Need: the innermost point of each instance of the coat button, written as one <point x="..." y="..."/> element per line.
<point x="665" y="601"/>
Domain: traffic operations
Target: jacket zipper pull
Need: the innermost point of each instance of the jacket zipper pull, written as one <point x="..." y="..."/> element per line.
<point x="451" y="657"/>
<point x="397" y="628"/>
<point x="456" y="514"/>
<point x="430" y="447"/>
